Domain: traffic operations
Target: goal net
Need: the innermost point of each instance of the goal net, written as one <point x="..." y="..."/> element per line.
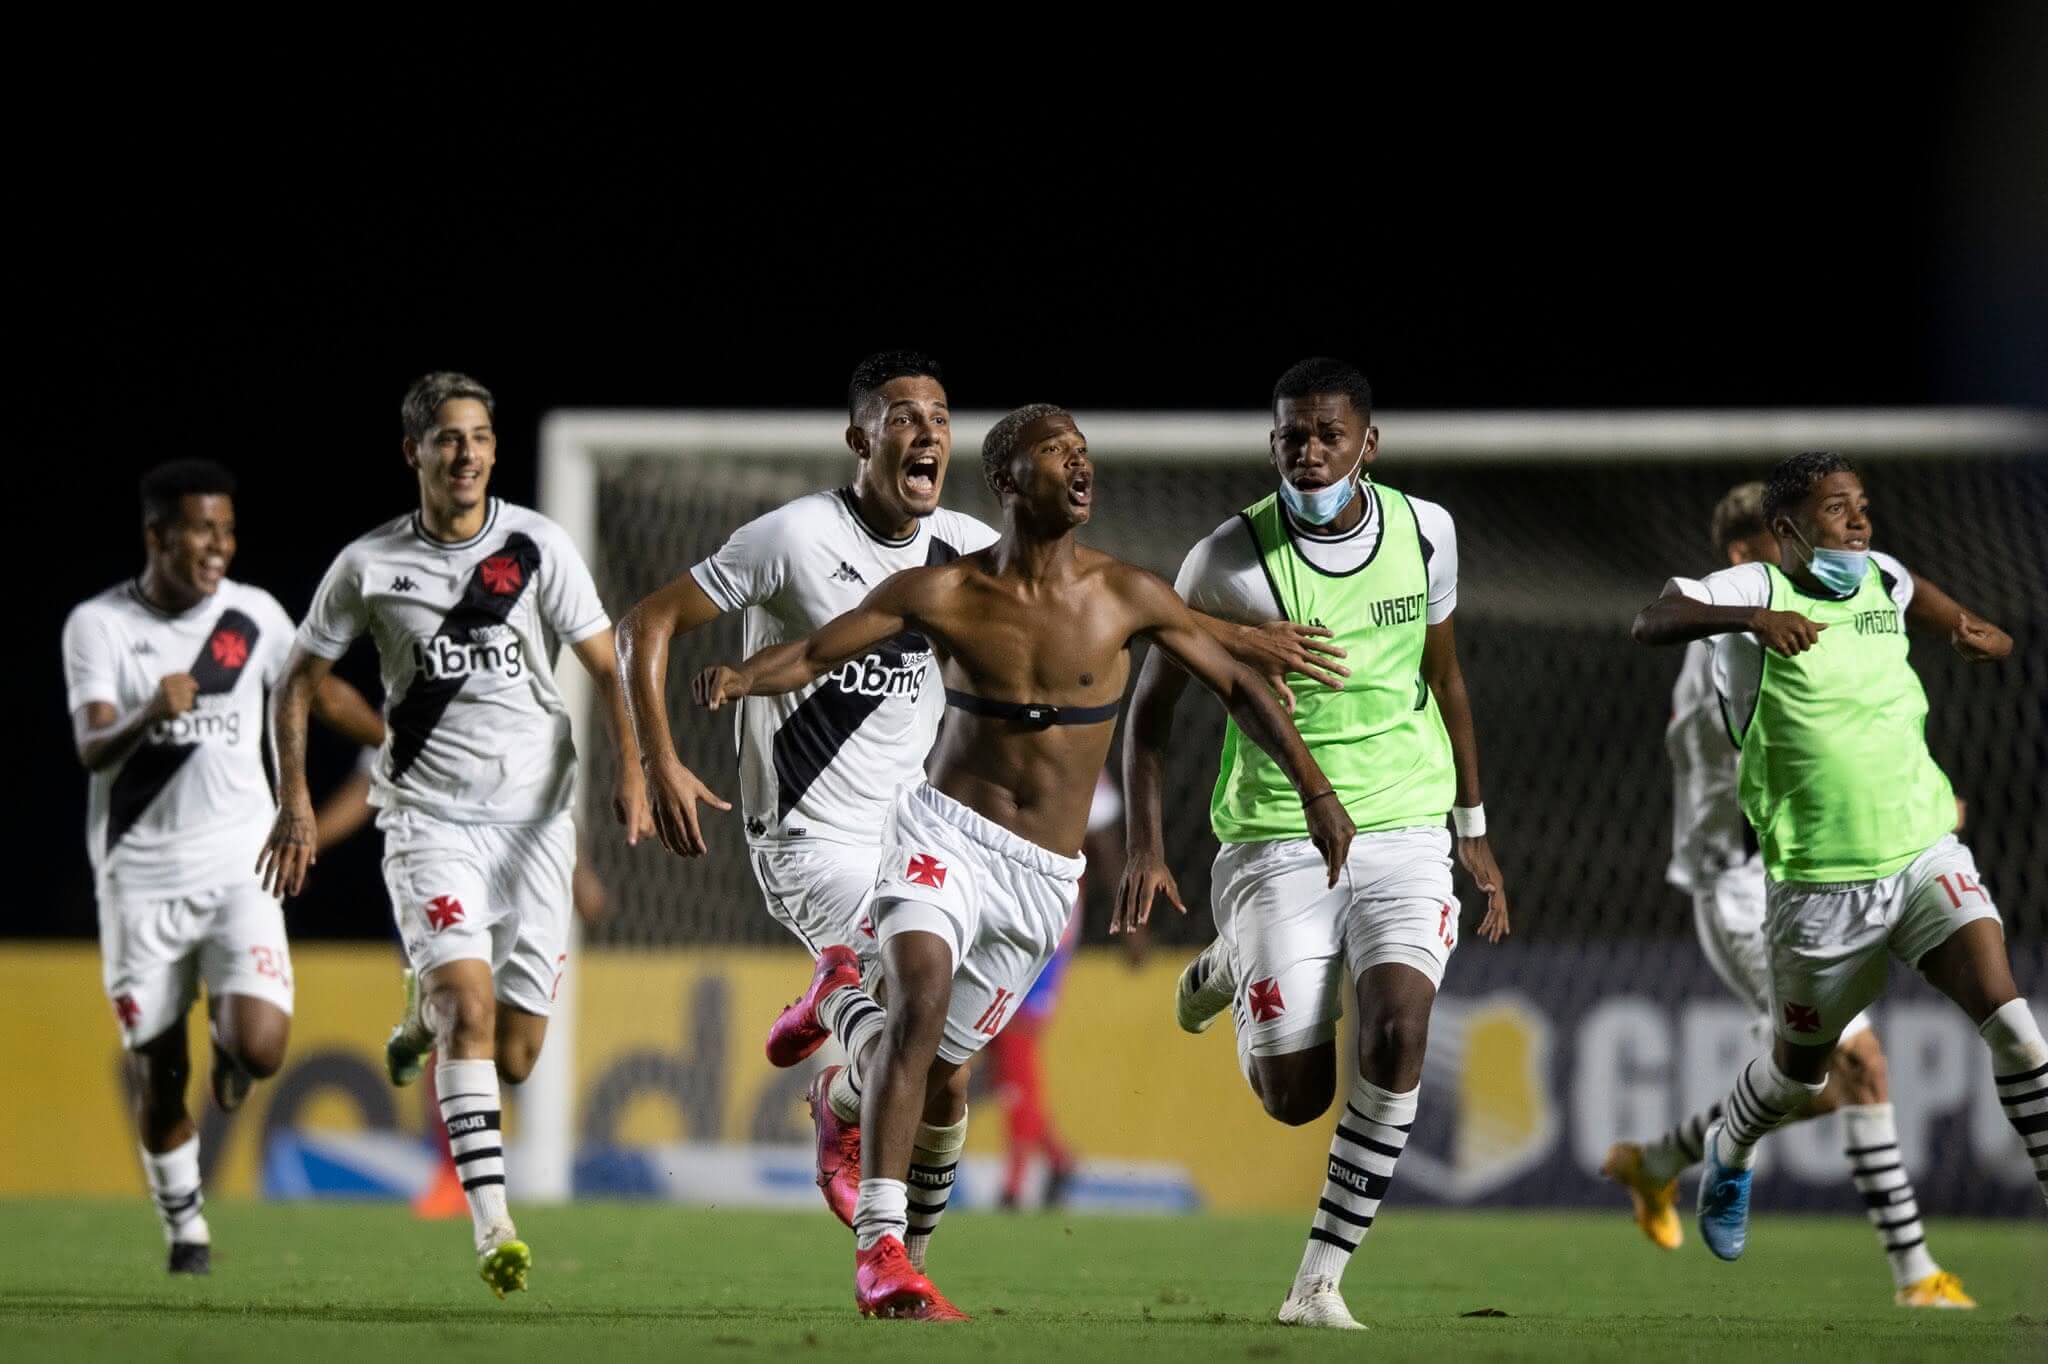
<point x="1567" y="524"/>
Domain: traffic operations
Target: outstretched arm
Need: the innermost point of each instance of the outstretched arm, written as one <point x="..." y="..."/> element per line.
<point x="1166" y="620"/>
<point x="1968" y="634"/>
<point x="1147" y="729"/>
<point x="887" y="612"/>
<point x="1447" y="682"/>
<point x="1278" y="648"/>
<point x="290" y="851"/>
<point x="673" y="790"/>
<point x="1675" y="618"/>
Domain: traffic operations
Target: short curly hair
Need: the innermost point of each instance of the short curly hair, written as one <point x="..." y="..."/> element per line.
<point x="1321" y="374"/>
<point x="1794" y="478"/>
<point x="878" y="369"/>
<point x="1000" y="444"/>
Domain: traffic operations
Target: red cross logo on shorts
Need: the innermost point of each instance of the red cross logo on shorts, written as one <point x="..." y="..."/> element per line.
<point x="867" y="925"/>
<point x="1264" y="1000"/>
<point x="926" y="870"/>
<point x="442" y="911"/>
<point x="127" y="1010"/>
<point x="229" y="649"/>
<point x="501" y="574"/>
<point x="1802" y="1017"/>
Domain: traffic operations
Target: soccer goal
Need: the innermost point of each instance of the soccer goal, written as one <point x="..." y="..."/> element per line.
<point x="1567" y="524"/>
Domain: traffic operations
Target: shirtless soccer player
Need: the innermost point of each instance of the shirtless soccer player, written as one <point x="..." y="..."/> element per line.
<point x="1381" y="570"/>
<point x="1714" y="857"/>
<point x="982" y="860"/>
<point x="820" y="766"/>
<point x="166" y="675"/>
<point x="1854" y="818"/>
<point x="467" y="599"/>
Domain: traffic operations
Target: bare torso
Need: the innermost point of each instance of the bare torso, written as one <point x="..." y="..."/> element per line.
<point x="1061" y="641"/>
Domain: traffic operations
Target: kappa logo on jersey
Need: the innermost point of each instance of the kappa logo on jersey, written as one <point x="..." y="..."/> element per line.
<point x="847" y="573"/>
<point x="1491" y="1058"/>
<point x="127" y="1010"/>
<point x="1802" y="1017"/>
<point x="443" y="911"/>
<point x="142" y="648"/>
<point x="228" y="648"/>
<point x="926" y="870"/>
<point x="401" y="583"/>
<point x="1263" y="999"/>
<point x="455" y="651"/>
<point x="501" y="574"/>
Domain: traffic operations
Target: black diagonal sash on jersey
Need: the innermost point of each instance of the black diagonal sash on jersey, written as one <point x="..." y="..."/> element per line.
<point x="483" y="604"/>
<point x="229" y="647"/>
<point x="816" y="730"/>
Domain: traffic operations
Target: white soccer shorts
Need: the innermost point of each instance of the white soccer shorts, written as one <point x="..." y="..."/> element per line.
<point x="154" y="954"/>
<point x="1297" y="943"/>
<point x="819" y="891"/>
<point x="1728" y="913"/>
<point x="1829" y="944"/>
<point x="497" y="893"/>
<point x="1001" y="903"/>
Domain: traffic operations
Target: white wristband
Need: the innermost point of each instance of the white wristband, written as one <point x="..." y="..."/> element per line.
<point x="1469" y="820"/>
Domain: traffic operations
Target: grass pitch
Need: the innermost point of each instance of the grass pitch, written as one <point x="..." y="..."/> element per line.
<point x="306" y="1282"/>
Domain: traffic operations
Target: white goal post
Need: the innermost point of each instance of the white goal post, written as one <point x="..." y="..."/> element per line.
<point x="575" y="444"/>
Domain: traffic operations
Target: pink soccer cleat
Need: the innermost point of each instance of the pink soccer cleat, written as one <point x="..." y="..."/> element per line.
<point x="798" y="1031"/>
<point x="838" y="1150"/>
<point x="886" y="1285"/>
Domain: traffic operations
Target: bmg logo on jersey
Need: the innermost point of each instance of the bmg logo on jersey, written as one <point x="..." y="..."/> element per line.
<point x="875" y="675"/>
<point x="489" y="649"/>
<point x="211" y="718"/>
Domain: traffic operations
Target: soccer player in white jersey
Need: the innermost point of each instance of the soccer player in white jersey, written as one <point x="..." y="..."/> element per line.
<point x="1715" y="859"/>
<point x="1380" y="569"/>
<point x="468" y="599"/>
<point x="820" y="767"/>
<point x="166" y="676"/>
<point x="1855" y="818"/>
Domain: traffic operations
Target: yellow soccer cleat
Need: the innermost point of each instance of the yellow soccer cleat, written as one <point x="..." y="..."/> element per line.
<point x="504" y="1267"/>
<point x="1939" y="1289"/>
<point x="1656" y="1204"/>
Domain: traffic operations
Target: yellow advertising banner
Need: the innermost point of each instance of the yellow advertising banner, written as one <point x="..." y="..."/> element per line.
<point x="668" y="1050"/>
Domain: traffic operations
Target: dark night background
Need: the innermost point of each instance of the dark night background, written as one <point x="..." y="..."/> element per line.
<point x="1766" y="218"/>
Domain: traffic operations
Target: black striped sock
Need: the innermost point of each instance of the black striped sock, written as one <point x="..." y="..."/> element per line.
<point x="1763" y="1100"/>
<point x="468" y="1092"/>
<point x="2019" y="1065"/>
<point x="856" y="1020"/>
<point x="1372" y="1131"/>
<point x="1683" y="1147"/>
<point x="934" y="1160"/>
<point x="1871" y="1142"/>
<point x="173" y="1179"/>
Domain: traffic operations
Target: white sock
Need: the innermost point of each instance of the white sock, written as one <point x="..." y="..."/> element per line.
<point x="856" y="1020"/>
<point x="2019" y="1066"/>
<point x="1870" y="1139"/>
<point x="469" y="1106"/>
<point x="174" y="1184"/>
<point x="1371" y="1133"/>
<point x="1683" y="1147"/>
<point x="881" y="1211"/>
<point x="933" y="1161"/>
<point x="1763" y="1100"/>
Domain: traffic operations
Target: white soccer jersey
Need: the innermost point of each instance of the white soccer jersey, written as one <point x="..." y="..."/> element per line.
<point x="189" y="807"/>
<point x="827" y="761"/>
<point x="1223" y="576"/>
<point x="1715" y="694"/>
<point x="467" y="635"/>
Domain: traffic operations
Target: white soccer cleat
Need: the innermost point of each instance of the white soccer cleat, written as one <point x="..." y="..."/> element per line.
<point x="1318" y="1303"/>
<point x="1205" y="989"/>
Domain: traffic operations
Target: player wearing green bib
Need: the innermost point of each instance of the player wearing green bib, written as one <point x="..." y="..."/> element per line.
<point x="1394" y="738"/>
<point x="1852" y="813"/>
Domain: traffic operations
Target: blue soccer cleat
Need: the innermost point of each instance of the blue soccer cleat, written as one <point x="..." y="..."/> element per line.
<point x="1724" y="1203"/>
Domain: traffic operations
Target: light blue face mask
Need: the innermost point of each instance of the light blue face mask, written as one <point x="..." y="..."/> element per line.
<point x="1840" y="571"/>
<point x="1320" y="506"/>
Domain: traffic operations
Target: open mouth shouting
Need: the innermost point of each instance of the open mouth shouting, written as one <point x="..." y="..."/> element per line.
<point x="1081" y="487"/>
<point x="921" y="477"/>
